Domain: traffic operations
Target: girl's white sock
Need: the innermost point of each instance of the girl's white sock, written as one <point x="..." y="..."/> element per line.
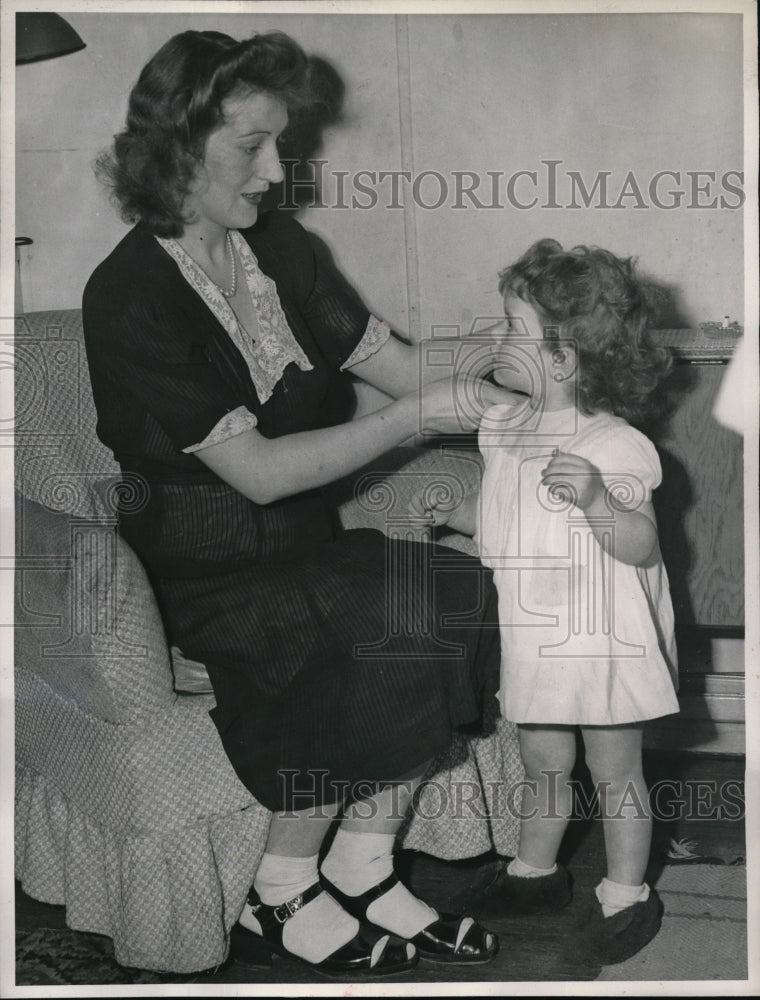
<point x="615" y="896"/>
<point x="315" y="931"/>
<point x="357" y="861"/>
<point x="523" y="870"/>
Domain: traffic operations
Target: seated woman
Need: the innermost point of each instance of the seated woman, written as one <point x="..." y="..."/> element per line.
<point x="219" y="349"/>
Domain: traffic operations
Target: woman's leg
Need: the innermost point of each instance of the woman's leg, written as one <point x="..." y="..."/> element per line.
<point x="613" y="755"/>
<point x="300" y="833"/>
<point x="361" y="856"/>
<point x="361" y="861"/>
<point x="287" y="869"/>
<point x="548" y="754"/>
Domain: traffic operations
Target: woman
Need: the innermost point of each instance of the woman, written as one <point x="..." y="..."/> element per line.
<point x="217" y="348"/>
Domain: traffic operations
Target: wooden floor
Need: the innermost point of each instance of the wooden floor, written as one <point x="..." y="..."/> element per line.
<point x="695" y="790"/>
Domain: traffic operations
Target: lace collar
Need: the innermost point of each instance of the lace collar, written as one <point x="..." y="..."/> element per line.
<point x="276" y="346"/>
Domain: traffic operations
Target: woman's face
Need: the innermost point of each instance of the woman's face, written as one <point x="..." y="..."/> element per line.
<point x="240" y="161"/>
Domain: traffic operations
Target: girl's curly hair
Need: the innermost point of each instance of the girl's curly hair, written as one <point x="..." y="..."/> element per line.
<point x="604" y="309"/>
<point x="175" y="105"/>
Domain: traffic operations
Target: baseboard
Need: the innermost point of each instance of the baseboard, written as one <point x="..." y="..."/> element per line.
<point x="711" y="719"/>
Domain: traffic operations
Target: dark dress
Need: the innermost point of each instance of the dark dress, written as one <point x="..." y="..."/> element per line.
<point x="318" y="684"/>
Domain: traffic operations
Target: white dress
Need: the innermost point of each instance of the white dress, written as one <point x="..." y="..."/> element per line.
<point x="586" y="640"/>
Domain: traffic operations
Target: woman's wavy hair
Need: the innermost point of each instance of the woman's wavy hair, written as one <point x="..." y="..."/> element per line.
<point x="175" y="105"/>
<point x="604" y="309"/>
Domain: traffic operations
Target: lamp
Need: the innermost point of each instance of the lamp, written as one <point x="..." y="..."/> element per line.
<point x="43" y="36"/>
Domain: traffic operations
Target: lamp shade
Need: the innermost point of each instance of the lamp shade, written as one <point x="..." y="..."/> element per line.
<point x="43" y="36"/>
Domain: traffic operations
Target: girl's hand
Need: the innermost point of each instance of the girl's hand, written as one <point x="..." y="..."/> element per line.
<point x="573" y="479"/>
<point x="436" y="505"/>
<point x="429" y="506"/>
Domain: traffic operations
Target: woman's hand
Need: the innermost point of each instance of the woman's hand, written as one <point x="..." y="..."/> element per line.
<point x="456" y="405"/>
<point x="399" y="369"/>
<point x="573" y="479"/>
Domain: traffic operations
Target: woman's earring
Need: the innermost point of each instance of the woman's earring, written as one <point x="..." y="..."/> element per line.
<point x="559" y="377"/>
<point x="559" y="357"/>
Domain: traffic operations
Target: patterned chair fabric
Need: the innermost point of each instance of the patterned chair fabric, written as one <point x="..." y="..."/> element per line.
<point x="127" y="810"/>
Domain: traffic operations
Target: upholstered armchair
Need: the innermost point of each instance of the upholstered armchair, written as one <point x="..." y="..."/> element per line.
<point x="127" y="810"/>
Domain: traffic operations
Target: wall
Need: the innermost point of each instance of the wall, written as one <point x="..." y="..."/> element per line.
<point x="62" y="207"/>
<point x="618" y="93"/>
<point x="641" y="93"/>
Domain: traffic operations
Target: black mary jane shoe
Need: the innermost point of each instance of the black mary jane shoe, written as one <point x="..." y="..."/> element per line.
<point x="509" y="895"/>
<point x="600" y="940"/>
<point x="449" y="940"/>
<point x="350" y="961"/>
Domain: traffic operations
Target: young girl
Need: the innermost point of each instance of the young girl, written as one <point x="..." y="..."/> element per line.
<point x="565" y="521"/>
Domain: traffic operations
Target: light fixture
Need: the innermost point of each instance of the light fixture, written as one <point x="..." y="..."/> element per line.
<point x="43" y="36"/>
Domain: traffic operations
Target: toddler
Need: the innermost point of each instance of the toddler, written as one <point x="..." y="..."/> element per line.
<point x="565" y="521"/>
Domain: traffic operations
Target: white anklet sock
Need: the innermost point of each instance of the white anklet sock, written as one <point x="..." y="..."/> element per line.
<point x="615" y="896"/>
<point x="521" y="869"/>
<point x="280" y="878"/>
<point x="315" y="931"/>
<point x="357" y="862"/>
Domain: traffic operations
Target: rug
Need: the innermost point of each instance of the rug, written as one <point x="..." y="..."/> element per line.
<point x="47" y="956"/>
<point x="704" y="928"/>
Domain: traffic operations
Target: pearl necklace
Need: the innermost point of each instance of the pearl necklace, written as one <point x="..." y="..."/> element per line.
<point x="231" y="254"/>
<point x="233" y="287"/>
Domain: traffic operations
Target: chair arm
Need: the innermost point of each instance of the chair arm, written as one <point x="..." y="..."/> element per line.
<point x="87" y="620"/>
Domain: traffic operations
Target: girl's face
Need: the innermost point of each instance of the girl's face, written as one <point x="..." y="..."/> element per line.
<point x="240" y="161"/>
<point x="523" y="320"/>
<point x="523" y="347"/>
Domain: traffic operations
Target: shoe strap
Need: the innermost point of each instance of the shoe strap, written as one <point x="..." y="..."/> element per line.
<point x="272" y="918"/>
<point x="378" y="890"/>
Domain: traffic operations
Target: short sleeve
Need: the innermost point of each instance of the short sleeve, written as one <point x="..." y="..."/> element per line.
<point x="237" y="422"/>
<point x="142" y="359"/>
<point x="337" y="319"/>
<point x="375" y="336"/>
<point x="628" y="462"/>
<point x="342" y="327"/>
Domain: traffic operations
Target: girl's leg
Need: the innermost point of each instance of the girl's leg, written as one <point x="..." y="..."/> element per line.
<point x="630" y="913"/>
<point x="548" y="754"/>
<point x="533" y="882"/>
<point x="613" y="755"/>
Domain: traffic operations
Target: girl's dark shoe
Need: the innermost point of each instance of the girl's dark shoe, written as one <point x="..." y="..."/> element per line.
<point x="350" y="961"/>
<point x="449" y="940"/>
<point x="509" y="894"/>
<point x="601" y="940"/>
